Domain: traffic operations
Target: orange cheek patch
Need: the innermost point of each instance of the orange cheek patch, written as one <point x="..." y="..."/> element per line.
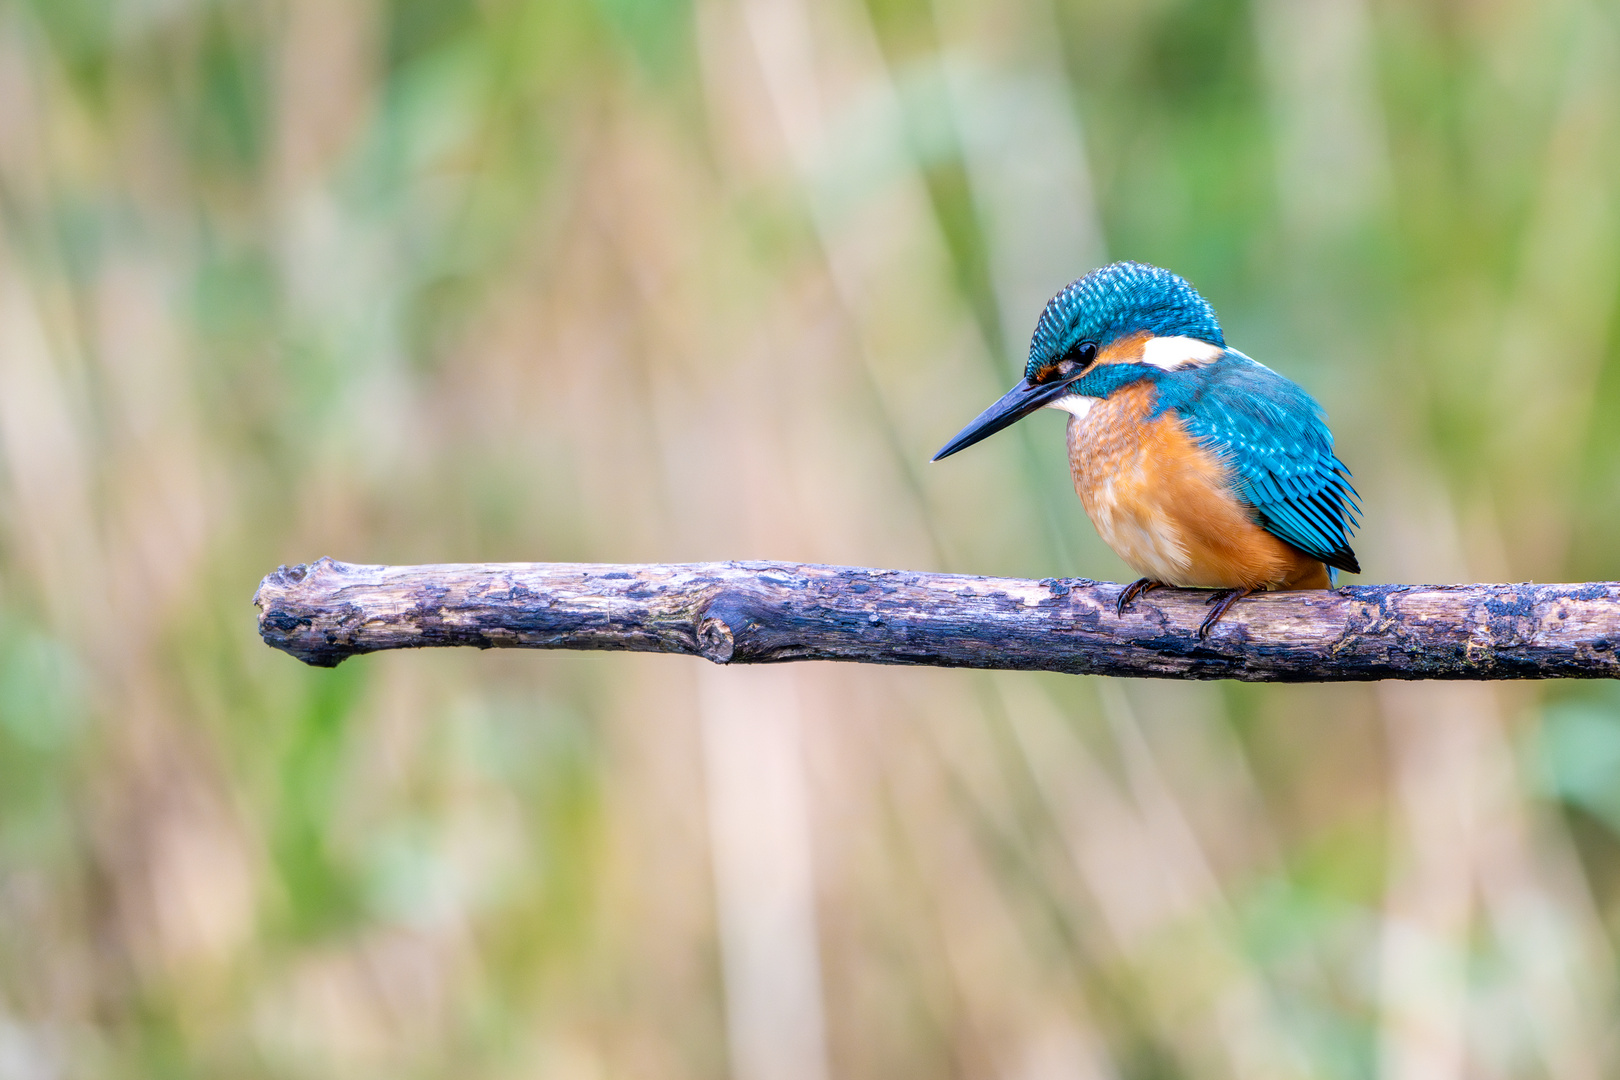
<point x="1125" y="350"/>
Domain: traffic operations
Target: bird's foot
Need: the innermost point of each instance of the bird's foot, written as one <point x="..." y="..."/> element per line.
<point x="1139" y="587"/>
<point x="1223" y="600"/>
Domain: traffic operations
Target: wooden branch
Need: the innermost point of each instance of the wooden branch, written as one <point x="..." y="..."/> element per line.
<point x="750" y="612"/>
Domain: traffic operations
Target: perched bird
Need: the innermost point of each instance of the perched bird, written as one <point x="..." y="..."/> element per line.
<point x="1200" y="467"/>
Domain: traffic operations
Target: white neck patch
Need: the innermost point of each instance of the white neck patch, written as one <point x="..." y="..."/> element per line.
<point x="1175" y="353"/>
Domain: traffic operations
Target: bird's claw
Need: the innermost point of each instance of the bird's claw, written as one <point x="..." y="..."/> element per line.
<point x="1223" y="600"/>
<point x="1139" y="587"/>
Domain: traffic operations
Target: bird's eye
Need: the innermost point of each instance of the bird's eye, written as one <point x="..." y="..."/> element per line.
<point x="1077" y="359"/>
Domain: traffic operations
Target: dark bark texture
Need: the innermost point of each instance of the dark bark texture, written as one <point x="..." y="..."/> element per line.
<point x="752" y="612"/>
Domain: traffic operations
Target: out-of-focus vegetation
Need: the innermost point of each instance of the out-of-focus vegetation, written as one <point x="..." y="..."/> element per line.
<point x="444" y="280"/>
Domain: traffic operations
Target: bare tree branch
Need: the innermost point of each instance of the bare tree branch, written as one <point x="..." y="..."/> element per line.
<point x="736" y="613"/>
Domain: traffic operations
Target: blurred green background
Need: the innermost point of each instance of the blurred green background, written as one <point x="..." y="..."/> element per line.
<point x="650" y="280"/>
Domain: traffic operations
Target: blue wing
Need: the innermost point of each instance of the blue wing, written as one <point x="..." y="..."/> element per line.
<point x="1281" y="452"/>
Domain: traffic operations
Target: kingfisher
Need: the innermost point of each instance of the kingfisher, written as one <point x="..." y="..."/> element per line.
<point x="1200" y="467"/>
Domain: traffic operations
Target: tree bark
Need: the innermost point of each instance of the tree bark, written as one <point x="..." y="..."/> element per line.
<point x="752" y="612"/>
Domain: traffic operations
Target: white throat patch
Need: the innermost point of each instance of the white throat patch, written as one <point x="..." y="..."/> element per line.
<point x="1175" y="353"/>
<point x="1076" y="405"/>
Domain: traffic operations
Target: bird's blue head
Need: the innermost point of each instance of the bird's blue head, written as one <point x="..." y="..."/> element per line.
<point x="1109" y="308"/>
<point x="1119" y="301"/>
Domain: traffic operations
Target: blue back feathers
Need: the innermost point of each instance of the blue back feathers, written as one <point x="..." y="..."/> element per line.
<point x="1118" y="300"/>
<point x="1274" y="437"/>
<point x="1268" y="429"/>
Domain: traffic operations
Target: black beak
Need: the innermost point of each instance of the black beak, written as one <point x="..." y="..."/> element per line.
<point x="1014" y="405"/>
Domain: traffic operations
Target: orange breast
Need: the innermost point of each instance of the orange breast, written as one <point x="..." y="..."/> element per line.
<point x="1166" y="506"/>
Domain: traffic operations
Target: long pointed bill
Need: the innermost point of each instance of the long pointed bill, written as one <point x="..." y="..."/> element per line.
<point x="1014" y="405"/>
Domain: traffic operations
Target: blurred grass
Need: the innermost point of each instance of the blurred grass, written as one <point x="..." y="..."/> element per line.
<point x="433" y="280"/>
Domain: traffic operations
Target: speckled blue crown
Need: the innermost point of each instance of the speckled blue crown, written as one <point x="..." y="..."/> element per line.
<point x="1116" y="300"/>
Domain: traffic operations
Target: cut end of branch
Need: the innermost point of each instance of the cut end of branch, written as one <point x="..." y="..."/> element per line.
<point x="292" y="600"/>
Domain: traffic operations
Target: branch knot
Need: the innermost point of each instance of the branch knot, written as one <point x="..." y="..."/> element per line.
<point x="716" y="641"/>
